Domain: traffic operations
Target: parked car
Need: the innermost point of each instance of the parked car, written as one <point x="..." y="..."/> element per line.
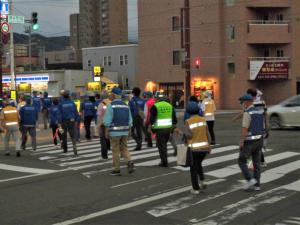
<point x="285" y="114"/>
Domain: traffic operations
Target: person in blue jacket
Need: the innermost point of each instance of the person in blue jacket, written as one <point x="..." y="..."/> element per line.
<point x="88" y="112"/>
<point x="46" y="105"/>
<point x="28" y="120"/>
<point x="54" y="114"/>
<point x="36" y="102"/>
<point x="186" y="114"/>
<point x="67" y="117"/>
<point x="137" y="105"/>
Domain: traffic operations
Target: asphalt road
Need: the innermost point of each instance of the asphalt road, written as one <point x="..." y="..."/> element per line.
<point x="48" y="187"/>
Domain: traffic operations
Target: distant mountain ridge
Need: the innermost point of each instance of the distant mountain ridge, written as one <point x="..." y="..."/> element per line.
<point x="50" y="43"/>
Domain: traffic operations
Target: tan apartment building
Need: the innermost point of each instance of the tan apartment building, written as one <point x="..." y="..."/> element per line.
<point x="102" y="22"/>
<point x="240" y="44"/>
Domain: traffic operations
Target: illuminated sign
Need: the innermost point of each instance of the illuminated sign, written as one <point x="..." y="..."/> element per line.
<point x="24" y="88"/>
<point x="27" y="79"/>
<point x="93" y="86"/>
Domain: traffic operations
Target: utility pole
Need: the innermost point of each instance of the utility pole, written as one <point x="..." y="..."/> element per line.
<point x="187" y="45"/>
<point x="11" y="51"/>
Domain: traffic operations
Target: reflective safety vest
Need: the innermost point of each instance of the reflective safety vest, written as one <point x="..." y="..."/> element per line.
<point x="77" y="103"/>
<point x="209" y="107"/>
<point x="164" y="115"/>
<point x="199" y="141"/>
<point x="256" y="129"/>
<point x="10" y="116"/>
<point x="121" y="113"/>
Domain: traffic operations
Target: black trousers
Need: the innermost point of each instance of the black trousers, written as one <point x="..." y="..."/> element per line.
<point x="54" y="128"/>
<point x="68" y="127"/>
<point x="162" y="137"/>
<point x="137" y="129"/>
<point x="104" y="142"/>
<point x="196" y="169"/>
<point x="87" y="126"/>
<point x="210" y="125"/>
<point x="148" y="136"/>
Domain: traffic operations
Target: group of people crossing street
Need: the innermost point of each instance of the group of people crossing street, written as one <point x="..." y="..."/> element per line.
<point x="145" y="116"/>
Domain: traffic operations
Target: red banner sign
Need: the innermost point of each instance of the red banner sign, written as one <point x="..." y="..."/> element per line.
<point x="260" y="70"/>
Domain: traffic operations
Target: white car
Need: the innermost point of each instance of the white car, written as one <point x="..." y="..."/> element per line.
<point x="285" y="114"/>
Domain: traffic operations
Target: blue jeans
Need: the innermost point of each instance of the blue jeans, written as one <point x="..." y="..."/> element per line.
<point x="251" y="149"/>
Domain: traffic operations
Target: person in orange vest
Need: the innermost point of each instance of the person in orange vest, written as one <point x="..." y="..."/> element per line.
<point x="208" y="107"/>
<point x="9" y="122"/>
<point x="196" y="134"/>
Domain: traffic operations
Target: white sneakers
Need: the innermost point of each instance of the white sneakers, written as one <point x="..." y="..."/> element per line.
<point x="250" y="184"/>
<point x="195" y="192"/>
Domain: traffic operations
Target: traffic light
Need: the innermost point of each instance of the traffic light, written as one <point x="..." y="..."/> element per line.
<point x="197" y="63"/>
<point x="34" y="21"/>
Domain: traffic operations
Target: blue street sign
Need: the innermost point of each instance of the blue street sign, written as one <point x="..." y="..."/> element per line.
<point x="4" y="8"/>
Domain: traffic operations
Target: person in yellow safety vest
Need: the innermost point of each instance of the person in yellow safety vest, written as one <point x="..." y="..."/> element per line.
<point x="9" y="122"/>
<point x="196" y="134"/>
<point x="163" y="120"/>
<point x="77" y="103"/>
<point x="208" y="107"/>
<point x="104" y="142"/>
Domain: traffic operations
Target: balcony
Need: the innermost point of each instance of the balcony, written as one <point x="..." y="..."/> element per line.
<point x="268" y="32"/>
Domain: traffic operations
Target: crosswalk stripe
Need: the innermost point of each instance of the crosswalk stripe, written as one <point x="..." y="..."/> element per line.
<point x="280" y="171"/>
<point x="214" y="160"/>
<point x="25" y="169"/>
<point x="234" y="169"/>
<point x="142" y="156"/>
<point x="292" y="222"/>
<point x="98" y="153"/>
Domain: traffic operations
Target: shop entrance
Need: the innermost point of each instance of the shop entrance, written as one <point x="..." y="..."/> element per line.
<point x="175" y="93"/>
<point x="200" y="86"/>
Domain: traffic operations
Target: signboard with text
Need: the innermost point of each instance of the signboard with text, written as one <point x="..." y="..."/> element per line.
<point x="93" y="86"/>
<point x="24" y="88"/>
<point x="269" y="70"/>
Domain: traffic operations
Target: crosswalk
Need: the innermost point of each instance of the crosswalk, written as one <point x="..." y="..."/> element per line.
<point x="220" y="167"/>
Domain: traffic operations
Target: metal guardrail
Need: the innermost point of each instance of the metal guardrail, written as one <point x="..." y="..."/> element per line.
<point x="268" y="22"/>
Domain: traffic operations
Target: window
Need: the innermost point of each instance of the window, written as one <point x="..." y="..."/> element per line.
<point x="72" y="56"/>
<point x="105" y="60"/>
<point x="126" y="59"/>
<point x="89" y="63"/>
<point x="267" y="52"/>
<point x="280" y="53"/>
<point x="177" y="57"/>
<point x="175" y="23"/>
<point x="121" y="60"/>
<point x="109" y="60"/>
<point x="279" y="17"/>
<point x="230" y="2"/>
<point x="231" y="32"/>
<point x="231" y="68"/>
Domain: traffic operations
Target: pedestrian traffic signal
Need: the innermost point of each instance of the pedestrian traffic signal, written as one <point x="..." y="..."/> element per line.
<point x="197" y="63"/>
<point x="34" y="21"/>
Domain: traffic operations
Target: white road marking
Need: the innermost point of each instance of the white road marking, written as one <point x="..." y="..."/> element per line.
<point x="129" y="205"/>
<point x="213" y="160"/>
<point x="246" y="206"/>
<point x="234" y="169"/>
<point x="25" y="169"/>
<point x="292" y="222"/>
<point x="46" y="158"/>
<point x="145" y="179"/>
<point x="294" y="187"/>
<point x="142" y="156"/>
<point x="186" y="202"/>
<point x="278" y="172"/>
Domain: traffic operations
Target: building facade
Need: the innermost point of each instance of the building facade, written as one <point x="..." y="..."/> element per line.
<point x="121" y="59"/>
<point x="240" y="44"/>
<point x="69" y="58"/>
<point x="102" y="22"/>
<point x="74" y="31"/>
